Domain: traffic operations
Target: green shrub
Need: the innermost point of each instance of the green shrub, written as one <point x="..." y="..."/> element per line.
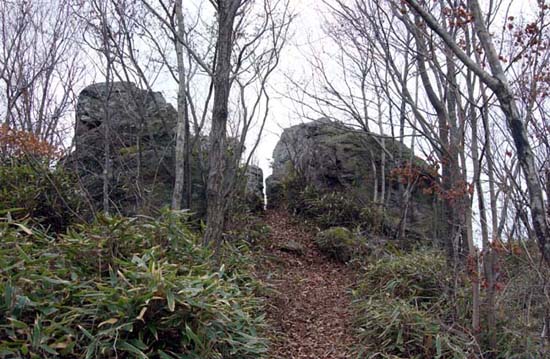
<point x="36" y="191"/>
<point x="373" y="219"/>
<point x="325" y="209"/>
<point x="522" y="305"/>
<point x="410" y="306"/>
<point x="397" y="329"/>
<point x="122" y="288"/>
<point x="293" y="188"/>
<point x="332" y="208"/>
<point x="421" y="277"/>
<point x="337" y="242"/>
<point x="401" y="307"/>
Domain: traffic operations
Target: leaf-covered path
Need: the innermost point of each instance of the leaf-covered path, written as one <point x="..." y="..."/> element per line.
<point x="309" y="304"/>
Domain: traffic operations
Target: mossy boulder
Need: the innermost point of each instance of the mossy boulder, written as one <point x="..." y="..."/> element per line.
<point x="337" y="161"/>
<point x="337" y="242"/>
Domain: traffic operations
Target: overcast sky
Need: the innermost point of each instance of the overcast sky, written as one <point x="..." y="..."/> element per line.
<point x="307" y="37"/>
<point x="306" y="31"/>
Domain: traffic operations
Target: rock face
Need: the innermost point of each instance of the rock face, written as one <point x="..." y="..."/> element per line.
<point x="254" y="190"/>
<point x="331" y="157"/>
<point x="142" y="149"/>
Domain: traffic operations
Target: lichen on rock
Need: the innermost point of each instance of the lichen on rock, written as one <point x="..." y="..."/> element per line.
<point x="329" y="157"/>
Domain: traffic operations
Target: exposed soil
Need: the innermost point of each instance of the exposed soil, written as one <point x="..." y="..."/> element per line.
<point x="309" y="301"/>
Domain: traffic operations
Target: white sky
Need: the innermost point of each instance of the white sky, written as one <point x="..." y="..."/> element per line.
<point x="306" y="30"/>
<point x="307" y="35"/>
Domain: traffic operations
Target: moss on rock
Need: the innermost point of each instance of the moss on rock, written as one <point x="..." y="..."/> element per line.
<point x="337" y="242"/>
<point x="323" y="170"/>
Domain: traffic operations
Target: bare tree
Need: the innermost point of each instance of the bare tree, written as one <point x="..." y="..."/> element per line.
<point x="226" y="14"/>
<point x="39" y="66"/>
<point x="497" y="81"/>
<point x="403" y="68"/>
<point x="452" y="112"/>
<point x="252" y="58"/>
<point x="102" y="36"/>
<point x="182" y="139"/>
<point x="421" y="81"/>
<point x="242" y="54"/>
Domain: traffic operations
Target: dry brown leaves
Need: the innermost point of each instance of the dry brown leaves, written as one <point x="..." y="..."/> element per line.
<point x="309" y="306"/>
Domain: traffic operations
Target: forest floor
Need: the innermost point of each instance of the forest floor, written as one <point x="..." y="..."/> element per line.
<point x="309" y="299"/>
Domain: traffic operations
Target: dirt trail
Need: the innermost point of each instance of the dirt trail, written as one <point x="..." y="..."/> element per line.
<point x="309" y="308"/>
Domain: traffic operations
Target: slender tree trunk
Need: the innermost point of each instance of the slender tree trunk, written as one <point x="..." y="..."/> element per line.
<point x="473" y="260"/>
<point x="456" y="153"/>
<point x="216" y="198"/>
<point x="383" y="156"/>
<point x="488" y="266"/>
<point x="447" y="155"/>
<point x="187" y="160"/>
<point x="182" y="127"/>
<point x="106" y="114"/>
<point x="518" y="131"/>
<point x="375" y="178"/>
<point x="106" y="148"/>
<point x="489" y="256"/>
<point x="473" y="268"/>
<point x="404" y="193"/>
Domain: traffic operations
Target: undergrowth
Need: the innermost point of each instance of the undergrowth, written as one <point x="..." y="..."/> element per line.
<point x="410" y="305"/>
<point x="401" y="307"/>
<point x="338" y="243"/>
<point x="125" y="288"/>
<point x="248" y="227"/>
<point x="30" y="189"/>
<point x="523" y="303"/>
<point x="327" y="209"/>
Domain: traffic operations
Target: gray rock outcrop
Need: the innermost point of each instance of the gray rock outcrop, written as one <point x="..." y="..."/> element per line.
<point x="330" y="157"/>
<point x="254" y="191"/>
<point x="142" y="150"/>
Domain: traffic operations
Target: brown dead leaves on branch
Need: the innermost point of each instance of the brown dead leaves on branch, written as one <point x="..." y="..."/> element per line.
<point x="17" y="144"/>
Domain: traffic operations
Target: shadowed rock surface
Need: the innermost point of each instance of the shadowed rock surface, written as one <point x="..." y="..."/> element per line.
<point x="254" y="190"/>
<point x="142" y="150"/>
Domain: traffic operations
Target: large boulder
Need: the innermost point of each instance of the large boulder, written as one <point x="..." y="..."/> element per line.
<point x="142" y="131"/>
<point x="337" y="242"/>
<point x="332" y="158"/>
